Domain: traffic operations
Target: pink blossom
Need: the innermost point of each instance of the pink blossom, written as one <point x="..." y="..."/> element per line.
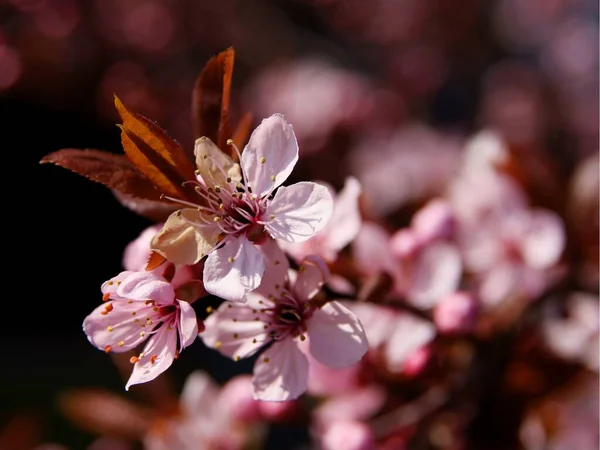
<point x="139" y="307"/>
<point x="396" y="335"/>
<point x="210" y="417"/>
<point x="455" y="313"/>
<point x="576" y="336"/>
<point x="341" y="229"/>
<point x="348" y="435"/>
<point x="137" y="252"/>
<point x="237" y="211"/>
<point x="280" y="312"/>
<point x="514" y="254"/>
<point x="423" y="267"/>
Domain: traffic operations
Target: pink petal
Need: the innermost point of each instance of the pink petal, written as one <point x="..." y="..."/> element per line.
<point x="280" y="373"/>
<point x="357" y="404"/>
<point x="378" y="321"/>
<point x="144" y="286"/>
<point x="312" y="274"/>
<point x="158" y="355"/>
<point x="137" y="252"/>
<point x="276" y="269"/>
<point x="110" y="286"/>
<point x="188" y="324"/>
<point x="233" y="330"/>
<point x="299" y="211"/>
<point x="371" y="250"/>
<point x="234" y="269"/>
<point x="199" y="393"/>
<point x="119" y="322"/>
<point x="436" y="272"/>
<point x="336" y="336"/>
<point x="433" y="221"/>
<point x="349" y="435"/>
<point x="544" y="241"/>
<point x="499" y="283"/>
<point x="345" y="221"/>
<point x="270" y="155"/>
<point x="410" y="334"/>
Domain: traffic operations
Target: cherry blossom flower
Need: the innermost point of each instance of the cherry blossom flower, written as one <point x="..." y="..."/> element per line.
<point x="210" y="417"/>
<point x="341" y="229"/>
<point x="423" y="262"/>
<point x="139" y="307"/>
<point x="237" y="211"/>
<point x="280" y="313"/>
<point x="399" y="337"/>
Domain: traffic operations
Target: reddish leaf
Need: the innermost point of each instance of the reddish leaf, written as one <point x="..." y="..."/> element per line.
<point x="210" y="99"/>
<point x="156" y="211"/>
<point x="242" y="133"/>
<point x="113" y="171"/>
<point x="155" y="154"/>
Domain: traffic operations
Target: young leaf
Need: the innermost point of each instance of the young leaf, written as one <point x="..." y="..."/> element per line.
<point x="210" y="99"/>
<point x="162" y="160"/>
<point x="113" y="171"/>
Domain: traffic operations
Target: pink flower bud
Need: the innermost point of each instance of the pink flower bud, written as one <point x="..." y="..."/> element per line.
<point x="417" y="361"/>
<point x="276" y="411"/>
<point x="455" y="313"/>
<point x="237" y="395"/>
<point x="349" y="435"/>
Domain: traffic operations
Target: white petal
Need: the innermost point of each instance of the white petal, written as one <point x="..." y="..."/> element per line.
<point x="163" y="345"/>
<point x="436" y="272"/>
<point x="214" y="166"/>
<point x="199" y="393"/>
<point x="233" y="330"/>
<point x="410" y="334"/>
<point x="280" y="373"/>
<point x="544" y="241"/>
<point x="276" y="269"/>
<point x="188" y="325"/>
<point x="234" y="269"/>
<point x="270" y="156"/>
<point x="143" y="286"/>
<point x="312" y="274"/>
<point x="345" y="221"/>
<point x="378" y="321"/>
<point x="336" y="336"/>
<point x="299" y="211"/>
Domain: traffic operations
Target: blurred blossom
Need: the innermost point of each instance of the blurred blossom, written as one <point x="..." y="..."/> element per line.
<point x="348" y="435"/>
<point x="397" y="336"/>
<point x="341" y="229"/>
<point x="137" y="252"/>
<point x="312" y="94"/>
<point x="565" y="420"/>
<point x="57" y="18"/>
<point x="146" y="25"/>
<point x="576" y="336"/>
<point x="412" y="165"/>
<point x="209" y="419"/>
<point x="513" y="103"/>
<point x="354" y="405"/>
<point x="455" y="313"/>
<point x="424" y="266"/>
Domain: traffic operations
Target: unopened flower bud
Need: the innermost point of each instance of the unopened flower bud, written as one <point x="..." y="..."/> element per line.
<point x="455" y="313"/>
<point x="349" y="435"/>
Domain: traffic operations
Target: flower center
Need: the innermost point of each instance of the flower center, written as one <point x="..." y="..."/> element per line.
<point x="288" y="317"/>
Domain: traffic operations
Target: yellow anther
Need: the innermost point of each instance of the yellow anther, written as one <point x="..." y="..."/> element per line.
<point x="218" y="344"/>
<point x="263" y="160"/>
<point x="272" y="177"/>
<point x="266" y="360"/>
<point x="229" y="141"/>
<point x="142" y="334"/>
<point x="110" y="328"/>
<point x="121" y="343"/>
<point x="230" y="259"/>
<point x="216" y="218"/>
<point x="236" y="358"/>
<point x="209" y="309"/>
<point x="302" y="337"/>
<point x="133" y="313"/>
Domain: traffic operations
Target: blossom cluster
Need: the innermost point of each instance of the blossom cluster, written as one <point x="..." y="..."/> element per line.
<point x="388" y="323"/>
